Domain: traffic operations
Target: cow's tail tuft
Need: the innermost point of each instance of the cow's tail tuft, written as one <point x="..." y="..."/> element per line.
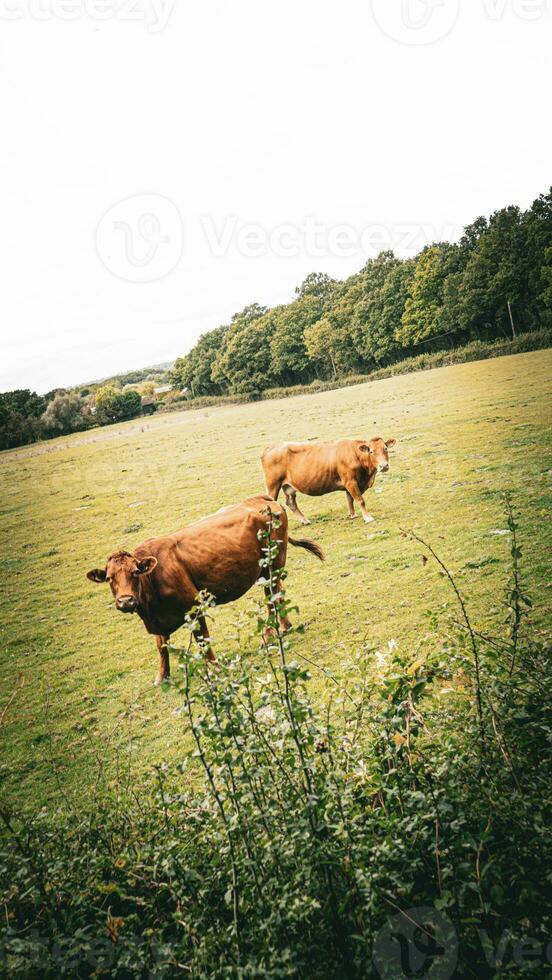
<point x="308" y="545"/>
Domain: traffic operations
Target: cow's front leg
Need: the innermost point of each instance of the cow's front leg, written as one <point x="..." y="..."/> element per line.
<point x="205" y="641"/>
<point x="164" y="660"/>
<point x="351" y="506"/>
<point x="353" y="489"/>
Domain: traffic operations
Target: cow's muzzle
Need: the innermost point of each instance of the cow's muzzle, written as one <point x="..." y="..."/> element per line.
<point x="383" y="468"/>
<point x="126" y="603"/>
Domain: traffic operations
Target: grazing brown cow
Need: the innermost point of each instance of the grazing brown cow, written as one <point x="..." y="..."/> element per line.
<point x="316" y="468"/>
<point x="220" y="554"/>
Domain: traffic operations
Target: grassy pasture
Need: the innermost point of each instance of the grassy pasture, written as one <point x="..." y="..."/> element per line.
<point x="82" y="673"/>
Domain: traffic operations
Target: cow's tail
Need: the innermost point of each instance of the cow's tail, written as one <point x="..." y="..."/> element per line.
<point x="308" y="545"/>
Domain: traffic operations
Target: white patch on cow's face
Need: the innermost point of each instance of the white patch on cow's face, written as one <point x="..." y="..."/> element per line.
<point x="380" y="455"/>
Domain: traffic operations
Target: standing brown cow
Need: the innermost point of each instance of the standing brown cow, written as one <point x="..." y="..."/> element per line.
<point x="160" y="580"/>
<point x="316" y="468"/>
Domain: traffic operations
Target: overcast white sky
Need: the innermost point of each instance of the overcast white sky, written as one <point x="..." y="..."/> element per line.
<point x="271" y="140"/>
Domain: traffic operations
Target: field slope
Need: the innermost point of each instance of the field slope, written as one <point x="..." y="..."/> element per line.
<point x="76" y="677"/>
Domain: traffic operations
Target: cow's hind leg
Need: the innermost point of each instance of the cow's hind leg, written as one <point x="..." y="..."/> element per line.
<point x="164" y="660"/>
<point x="291" y="501"/>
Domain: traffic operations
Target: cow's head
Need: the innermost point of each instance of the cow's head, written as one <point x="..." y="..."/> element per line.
<point x="124" y="573"/>
<point x="374" y="454"/>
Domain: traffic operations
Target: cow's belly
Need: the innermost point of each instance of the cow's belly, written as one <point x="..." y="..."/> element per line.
<point x="316" y="483"/>
<point x="228" y="580"/>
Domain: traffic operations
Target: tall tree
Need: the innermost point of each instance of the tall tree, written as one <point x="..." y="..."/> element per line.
<point x="319" y="285"/>
<point x="194" y="370"/>
<point x="496" y="275"/>
<point x="243" y="364"/>
<point x="290" y="358"/>
<point x="422" y="317"/>
<point x="538" y="230"/>
<point x="373" y="323"/>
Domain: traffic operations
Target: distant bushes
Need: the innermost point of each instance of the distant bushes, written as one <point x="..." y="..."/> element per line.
<point x="404" y="825"/>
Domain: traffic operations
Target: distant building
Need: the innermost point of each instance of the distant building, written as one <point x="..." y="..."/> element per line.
<point x="148" y="405"/>
<point x="162" y="390"/>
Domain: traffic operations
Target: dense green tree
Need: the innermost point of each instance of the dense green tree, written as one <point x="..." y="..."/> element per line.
<point x="64" y="414"/>
<point x="330" y="347"/>
<point x="290" y="358"/>
<point x="244" y="364"/>
<point x="545" y="297"/>
<point x="538" y="233"/>
<point x="114" y="405"/>
<point x="422" y="317"/>
<point x="319" y="285"/>
<point x="22" y="401"/>
<point x="193" y="371"/>
<point x="496" y="274"/>
<point x="373" y="324"/>
<point x="233" y="368"/>
<point x="331" y="342"/>
<point x="20" y="413"/>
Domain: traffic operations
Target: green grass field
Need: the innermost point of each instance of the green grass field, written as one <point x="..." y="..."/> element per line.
<point x="76" y="676"/>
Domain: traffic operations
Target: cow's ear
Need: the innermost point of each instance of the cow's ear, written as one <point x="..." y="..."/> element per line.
<point x="96" y="575"/>
<point x="390" y="442"/>
<point x="146" y="565"/>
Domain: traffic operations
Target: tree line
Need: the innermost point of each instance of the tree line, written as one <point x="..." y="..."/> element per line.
<point x="26" y="416"/>
<point x="496" y="281"/>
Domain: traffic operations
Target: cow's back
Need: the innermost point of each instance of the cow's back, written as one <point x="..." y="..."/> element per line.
<point x="221" y="552"/>
<point x="310" y="467"/>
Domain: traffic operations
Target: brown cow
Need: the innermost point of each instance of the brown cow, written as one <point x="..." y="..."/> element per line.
<point x="316" y="468"/>
<point x="220" y="554"/>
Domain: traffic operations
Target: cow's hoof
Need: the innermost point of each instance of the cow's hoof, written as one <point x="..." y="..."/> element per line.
<point x="161" y="680"/>
<point x="305" y="523"/>
<point x="353" y="517"/>
<point x="369" y="519"/>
